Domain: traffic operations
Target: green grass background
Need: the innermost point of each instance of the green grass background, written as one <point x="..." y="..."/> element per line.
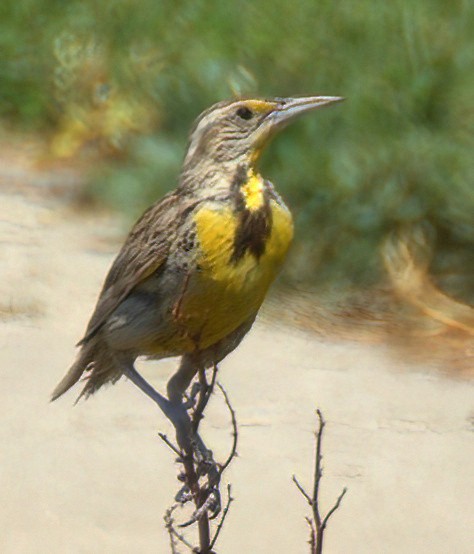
<point x="399" y="152"/>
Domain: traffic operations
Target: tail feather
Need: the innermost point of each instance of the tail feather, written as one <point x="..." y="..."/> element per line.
<point x="84" y="360"/>
<point x="102" y="364"/>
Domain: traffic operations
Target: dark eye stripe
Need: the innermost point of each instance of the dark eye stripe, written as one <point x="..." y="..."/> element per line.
<point x="244" y="113"/>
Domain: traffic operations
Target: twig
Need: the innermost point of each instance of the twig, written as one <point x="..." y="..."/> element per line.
<point x="312" y="535"/>
<point x="334" y="508"/>
<point x="223" y="518"/>
<point x="302" y="491"/>
<point x="201" y="474"/>
<point x="169" y="526"/>
<point x="233" y="450"/>
<point x="172" y="531"/>
<point x="318" y="472"/>
<point x="166" y="440"/>
<point x="318" y="524"/>
<point x="204" y="396"/>
<point x="199" y="496"/>
<point x="202" y="495"/>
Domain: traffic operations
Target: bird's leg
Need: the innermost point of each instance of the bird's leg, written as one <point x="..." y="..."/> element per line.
<point x="175" y="412"/>
<point x="193" y="448"/>
<point x="145" y="387"/>
<point x="177" y="386"/>
<point x="181" y="380"/>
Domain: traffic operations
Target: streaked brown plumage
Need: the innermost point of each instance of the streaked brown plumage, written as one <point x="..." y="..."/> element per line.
<point x="195" y="268"/>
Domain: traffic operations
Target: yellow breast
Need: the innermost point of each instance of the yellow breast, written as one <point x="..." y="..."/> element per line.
<point x="223" y="294"/>
<point x="253" y="191"/>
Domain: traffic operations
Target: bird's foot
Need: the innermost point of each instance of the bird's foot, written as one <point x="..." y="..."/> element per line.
<point x="191" y="399"/>
<point x="202" y="474"/>
<point x="211" y="505"/>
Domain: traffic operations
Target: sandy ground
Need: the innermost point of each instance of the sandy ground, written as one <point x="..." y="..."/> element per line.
<point x="96" y="479"/>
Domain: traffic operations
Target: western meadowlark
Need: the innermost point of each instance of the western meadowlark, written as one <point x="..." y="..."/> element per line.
<point x="195" y="268"/>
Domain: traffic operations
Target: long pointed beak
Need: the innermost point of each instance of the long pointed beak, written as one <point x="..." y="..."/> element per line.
<point x="293" y="107"/>
<point x="285" y="110"/>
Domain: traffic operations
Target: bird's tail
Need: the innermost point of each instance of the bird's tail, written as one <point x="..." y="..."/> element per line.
<point x="83" y="362"/>
<point x="101" y="365"/>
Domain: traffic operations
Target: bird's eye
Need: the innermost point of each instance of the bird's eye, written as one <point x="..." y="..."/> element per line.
<point x="244" y="113"/>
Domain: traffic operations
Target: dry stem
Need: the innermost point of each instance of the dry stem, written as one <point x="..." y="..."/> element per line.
<point x="201" y="475"/>
<point x="318" y="523"/>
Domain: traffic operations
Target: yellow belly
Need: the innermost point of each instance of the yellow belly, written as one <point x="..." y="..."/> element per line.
<point x="224" y="294"/>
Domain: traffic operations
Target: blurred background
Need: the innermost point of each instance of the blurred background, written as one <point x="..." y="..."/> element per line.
<point x="381" y="186"/>
<point x="96" y="102"/>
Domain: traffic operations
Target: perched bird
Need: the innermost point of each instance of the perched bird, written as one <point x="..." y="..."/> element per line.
<point x="195" y="268"/>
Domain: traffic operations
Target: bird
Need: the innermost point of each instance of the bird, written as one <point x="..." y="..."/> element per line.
<point x="195" y="268"/>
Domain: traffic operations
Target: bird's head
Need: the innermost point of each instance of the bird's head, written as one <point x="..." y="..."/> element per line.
<point x="237" y="130"/>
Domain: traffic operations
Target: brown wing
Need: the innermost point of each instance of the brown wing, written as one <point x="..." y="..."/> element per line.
<point x="144" y="251"/>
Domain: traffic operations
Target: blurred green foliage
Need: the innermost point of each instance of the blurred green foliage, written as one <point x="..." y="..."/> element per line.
<point x="397" y="153"/>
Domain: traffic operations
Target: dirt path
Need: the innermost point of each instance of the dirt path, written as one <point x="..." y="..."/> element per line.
<point x="95" y="477"/>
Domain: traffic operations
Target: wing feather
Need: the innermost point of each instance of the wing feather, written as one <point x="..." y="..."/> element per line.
<point x="144" y="251"/>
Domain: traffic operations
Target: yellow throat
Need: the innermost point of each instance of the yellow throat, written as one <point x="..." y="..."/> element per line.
<point x="253" y="191"/>
<point x="241" y="252"/>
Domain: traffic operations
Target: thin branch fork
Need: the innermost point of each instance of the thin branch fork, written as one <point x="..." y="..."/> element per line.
<point x="223" y="517"/>
<point x="173" y="533"/>
<point x="198" y="463"/>
<point x="318" y="523"/>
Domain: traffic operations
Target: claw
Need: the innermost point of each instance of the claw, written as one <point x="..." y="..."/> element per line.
<point x="191" y="398"/>
<point x="183" y="495"/>
<point x="212" y="506"/>
<point x="215" y="506"/>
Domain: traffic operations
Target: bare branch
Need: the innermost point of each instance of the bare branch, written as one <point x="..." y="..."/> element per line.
<point x="312" y="535"/>
<point x="318" y="472"/>
<point x="205" y="393"/>
<point x="166" y="440"/>
<point x="334" y="508"/>
<point x="201" y="475"/>
<point x="223" y="518"/>
<point x="302" y="491"/>
<point x="318" y="524"/>
<point x="233" y="450"/>
<point x="172" y="531"/>
<point x="213" y="378"/>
